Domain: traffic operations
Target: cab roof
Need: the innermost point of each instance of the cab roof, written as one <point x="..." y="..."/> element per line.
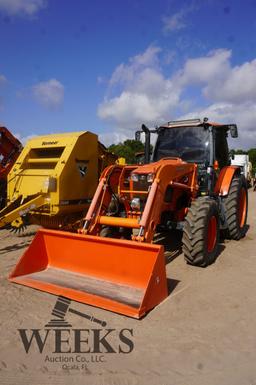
<point x="195" y="123"/>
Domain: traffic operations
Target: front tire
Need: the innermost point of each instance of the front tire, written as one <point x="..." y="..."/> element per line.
<point x="201" y="232"/>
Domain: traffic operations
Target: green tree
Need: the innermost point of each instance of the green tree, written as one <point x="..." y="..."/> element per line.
<point x="127" y="149"/>
<point x="239" y="151"/>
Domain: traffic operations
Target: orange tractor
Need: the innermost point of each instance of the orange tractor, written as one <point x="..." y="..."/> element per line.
<point x="113" y="263"/>
<point x="10" y="148"/>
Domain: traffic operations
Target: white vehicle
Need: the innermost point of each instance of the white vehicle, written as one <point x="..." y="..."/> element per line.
<point x="246" y="166"/>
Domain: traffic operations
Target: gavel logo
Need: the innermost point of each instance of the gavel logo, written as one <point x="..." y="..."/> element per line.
<point x="62" y="306"/>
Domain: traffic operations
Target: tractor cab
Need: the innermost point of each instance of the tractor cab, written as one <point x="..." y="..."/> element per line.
<point x="194" y="141"/>
<point x="191" y="144"/>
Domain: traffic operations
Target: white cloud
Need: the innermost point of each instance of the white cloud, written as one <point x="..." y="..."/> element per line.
<point x="244" y="115"/>
<point x="3" y="80"/>
<point x="126" y="73"/>
<point x="145" y="95"/>
<point x="206" y="69"/>
<point x="142" y="93"/>
<point x="49" y="93"/>
<point x="219" y="81"/>
<point x="24" y="139"/>
<point x="174" y="22"/>
<point x="109" y="138"/>
<point x="130" y="108"/>
<point x="237" y="87"/>
<point x="17" y="7"/>
<point x="177" y="21"/>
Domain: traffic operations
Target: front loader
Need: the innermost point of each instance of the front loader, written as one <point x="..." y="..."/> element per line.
<point x="113" y="262"/>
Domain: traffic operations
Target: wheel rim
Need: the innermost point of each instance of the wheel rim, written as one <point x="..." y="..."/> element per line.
<point x="242" y="207"/>
<point x="211" y="234"/>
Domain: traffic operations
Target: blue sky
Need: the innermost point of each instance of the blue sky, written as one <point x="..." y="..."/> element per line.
<point x="108" y="66"/>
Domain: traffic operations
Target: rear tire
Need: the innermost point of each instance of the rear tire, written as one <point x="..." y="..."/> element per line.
<point x="201" y="232"/>
<point x="236" y="207"/>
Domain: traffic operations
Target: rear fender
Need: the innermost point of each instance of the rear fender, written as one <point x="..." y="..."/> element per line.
<point x="224" y="180"/>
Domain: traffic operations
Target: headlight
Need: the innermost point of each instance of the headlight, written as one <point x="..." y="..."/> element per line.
<point x="135" y="204"/>
<point x="143" y="177"/>
<point x="150" y="177"/>
<point x="135" y="177"/>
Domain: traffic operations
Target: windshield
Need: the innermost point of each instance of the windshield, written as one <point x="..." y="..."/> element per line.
<point x="188" y="143"/>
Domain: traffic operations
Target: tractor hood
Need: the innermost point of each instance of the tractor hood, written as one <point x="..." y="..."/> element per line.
<point x="153" y="168"/>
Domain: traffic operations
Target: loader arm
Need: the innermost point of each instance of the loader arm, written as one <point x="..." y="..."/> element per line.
<point x="168" y="173"/>
<point x="109" y="184"/>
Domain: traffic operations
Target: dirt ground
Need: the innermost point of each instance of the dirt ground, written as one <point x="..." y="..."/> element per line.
<point x="203" y="333"/>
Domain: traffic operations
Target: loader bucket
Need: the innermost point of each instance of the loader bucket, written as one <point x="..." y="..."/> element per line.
<point x="118" y="275"/>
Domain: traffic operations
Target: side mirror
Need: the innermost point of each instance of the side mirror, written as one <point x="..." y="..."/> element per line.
<point x="137" y="135"/>
<point x="233" y="131"/>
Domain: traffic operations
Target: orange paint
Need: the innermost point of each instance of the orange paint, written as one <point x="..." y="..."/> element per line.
<point x="122" y="276"/>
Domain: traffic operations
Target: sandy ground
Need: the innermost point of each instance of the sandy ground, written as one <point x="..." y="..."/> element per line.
<point x="203" y="333"/>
